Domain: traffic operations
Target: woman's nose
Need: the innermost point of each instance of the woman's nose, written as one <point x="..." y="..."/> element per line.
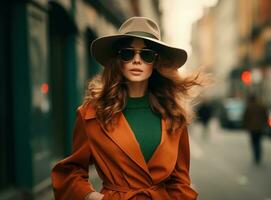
<point x="137" y="57"/>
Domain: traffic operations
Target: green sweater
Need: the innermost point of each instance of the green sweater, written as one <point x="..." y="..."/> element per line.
<point x="145" y="124"/>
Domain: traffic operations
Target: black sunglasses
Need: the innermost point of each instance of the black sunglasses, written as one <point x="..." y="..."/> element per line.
<point x="147" y="55"/>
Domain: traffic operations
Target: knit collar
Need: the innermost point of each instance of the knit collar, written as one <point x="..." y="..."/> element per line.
<point x="137" y="102"/>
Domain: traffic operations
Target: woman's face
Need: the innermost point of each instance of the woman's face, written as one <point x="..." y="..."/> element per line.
<point x="136" y="69"/>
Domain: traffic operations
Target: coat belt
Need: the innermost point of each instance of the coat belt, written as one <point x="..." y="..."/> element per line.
<point x="132" y="192"/>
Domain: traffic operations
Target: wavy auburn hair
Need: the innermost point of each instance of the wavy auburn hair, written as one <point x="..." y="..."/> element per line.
<point x="170" y="94"/>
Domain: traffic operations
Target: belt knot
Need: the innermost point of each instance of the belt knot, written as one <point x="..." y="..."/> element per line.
<point x="131" y="192"/>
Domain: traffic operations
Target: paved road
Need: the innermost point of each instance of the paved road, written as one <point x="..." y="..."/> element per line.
<point x="222" y="167"/>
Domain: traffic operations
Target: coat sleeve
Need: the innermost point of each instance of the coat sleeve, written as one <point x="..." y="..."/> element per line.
<point x="178" y="185"/>
<point x="70" y="175"/>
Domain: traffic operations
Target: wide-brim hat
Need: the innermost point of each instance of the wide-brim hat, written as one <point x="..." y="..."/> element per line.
<point x="136" y="27"/>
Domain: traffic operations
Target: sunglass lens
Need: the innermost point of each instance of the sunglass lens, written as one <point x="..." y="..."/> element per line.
<point x="126" y="54"/>
<point x="148" y="55"/>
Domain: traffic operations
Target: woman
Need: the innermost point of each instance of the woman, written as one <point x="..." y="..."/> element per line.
<point x="133" y="123"/>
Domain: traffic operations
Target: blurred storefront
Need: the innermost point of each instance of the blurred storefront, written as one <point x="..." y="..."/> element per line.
<point x="45" y="64"/>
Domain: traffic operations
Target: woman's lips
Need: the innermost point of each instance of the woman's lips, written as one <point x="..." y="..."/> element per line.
<point x="136" y="71"/>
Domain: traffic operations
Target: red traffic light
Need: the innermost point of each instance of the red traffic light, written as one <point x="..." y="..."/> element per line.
<point x="246" y="77"/>
<point x="44" y="88"/>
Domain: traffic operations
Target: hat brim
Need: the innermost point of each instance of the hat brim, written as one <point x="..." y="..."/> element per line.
<point x="102" y="49"/>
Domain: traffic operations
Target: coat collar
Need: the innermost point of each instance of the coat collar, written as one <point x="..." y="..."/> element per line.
<point x="88" y="111"/>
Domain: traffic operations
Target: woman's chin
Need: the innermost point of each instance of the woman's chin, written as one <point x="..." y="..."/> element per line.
<point x="137" y="79"/>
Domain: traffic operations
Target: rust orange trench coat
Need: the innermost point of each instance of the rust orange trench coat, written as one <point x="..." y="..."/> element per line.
<point x="121" y="165"/>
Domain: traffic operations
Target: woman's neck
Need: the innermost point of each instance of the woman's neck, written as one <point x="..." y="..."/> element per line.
<point x="137" y="89"/>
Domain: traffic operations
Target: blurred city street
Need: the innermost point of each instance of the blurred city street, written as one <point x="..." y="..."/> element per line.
<point x="222" y="167"/>
<point x="46" y="67"/>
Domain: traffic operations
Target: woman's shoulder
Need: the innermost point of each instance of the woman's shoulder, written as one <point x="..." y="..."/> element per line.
<point x="87" y="110"/>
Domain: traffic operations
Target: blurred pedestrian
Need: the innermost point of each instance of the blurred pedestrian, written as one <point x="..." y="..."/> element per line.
<point x="133" y="122"/>
<point x="255" y="120"/>
<point x="204" y="115"/>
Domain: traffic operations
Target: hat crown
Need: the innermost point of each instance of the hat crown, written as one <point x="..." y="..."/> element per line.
<point x="140" y="24"/>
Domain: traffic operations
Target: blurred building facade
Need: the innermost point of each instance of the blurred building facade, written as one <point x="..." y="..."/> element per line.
<point x="45" y="64"/>
<point x="232" y="40"/>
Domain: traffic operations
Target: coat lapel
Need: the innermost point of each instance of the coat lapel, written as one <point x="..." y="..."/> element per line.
<point x="165" y="155"/>
<point x="123" y="136"/>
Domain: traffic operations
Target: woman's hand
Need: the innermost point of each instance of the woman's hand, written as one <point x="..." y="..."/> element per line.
<point x="94" y="196"/>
